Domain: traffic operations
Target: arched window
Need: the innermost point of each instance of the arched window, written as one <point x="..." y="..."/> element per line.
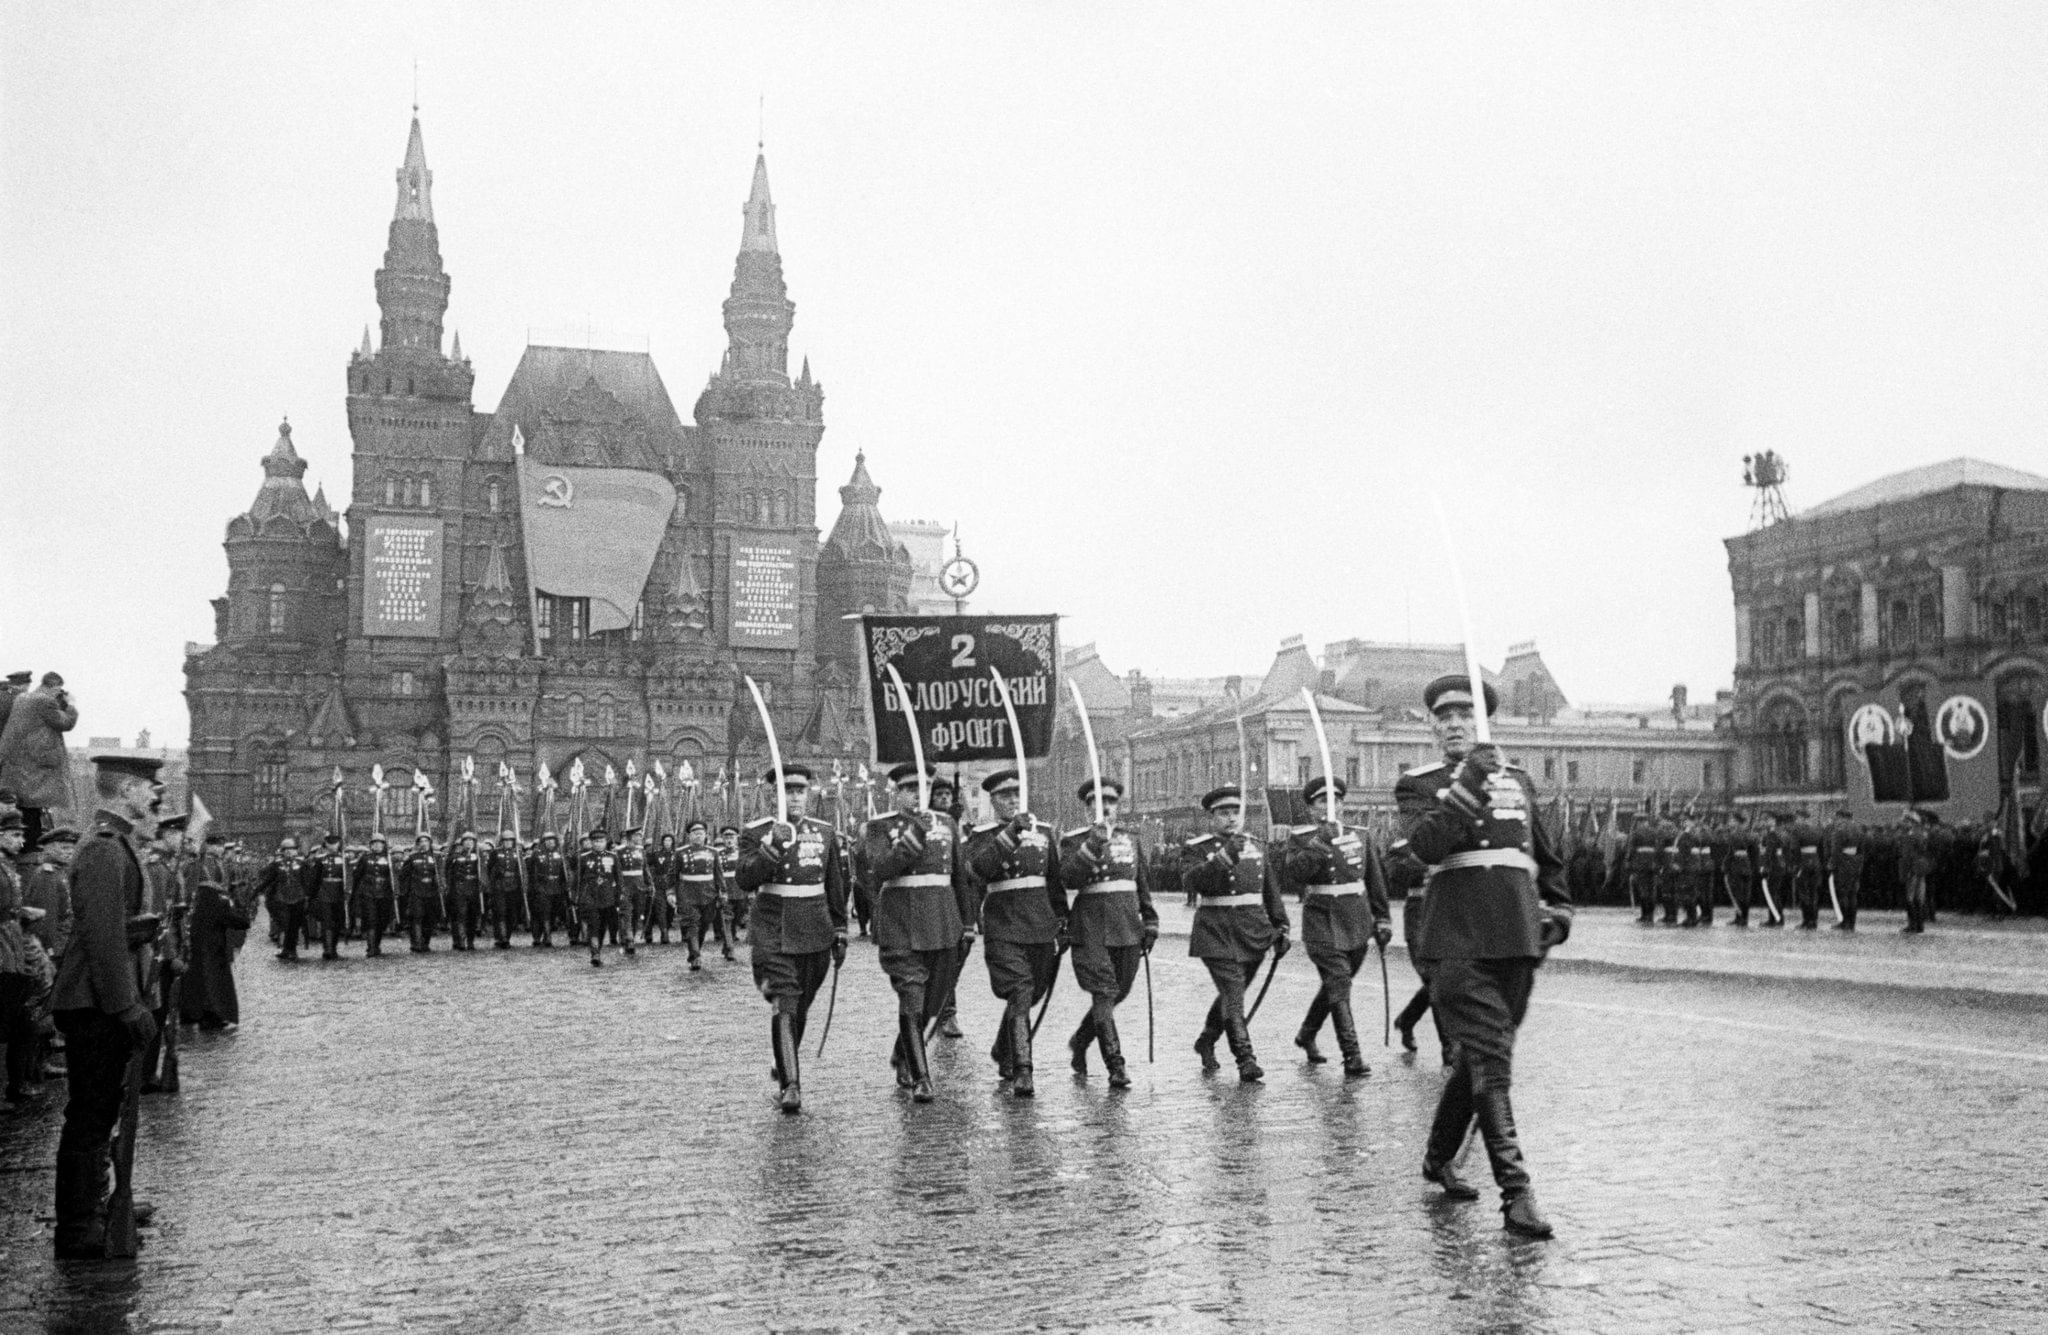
<point x="267" y="778"/>
<point x="412" y="491"/>
<point x="607" y="717"/>
<point x="494" y="497"/>
<point x="426" y="491"/>
<point x="572" y="714"/>
<point x="277" y="609"/>
<point x="390" y="490"/>
<point x="1929" y="629"/>
<point x="1781" y="756"/>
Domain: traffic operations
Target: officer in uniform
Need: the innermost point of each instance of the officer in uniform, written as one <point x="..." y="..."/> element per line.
<point x="1645" y="855"/>
<point x="736" y="902"/>
<point x="376" y="887"/>
<point x="547" y="882"/>
<point x="1238" y="918"/>
<point x="1916" y="863"/>
<point x="1405" y="873"/>
<point x="797" y="873"/>
<point x="464" y="871"/>
<point x="1497" y="904"/>
<point x="329" y="874"/>
<point x="947" y="801"/>
<point x="1845" y="865"/>
<point x="924" y="914"/>
<point x="636" y="892"/>
<point x="504" y="870"/>
<point x="419" y="877"/>
<point x="598" y="894"/>
<point x="96" y="1003"/>
<point x="283" y="886"/>
<point x="1693" y="854"/>
<point x="1111" y="922"/>
<point x="1023" y="918"/>
<point x="1809" y="877"/>
<point x="700" y="892"/>
<point x="1780" y="857"/>
<point x="1344" y="912"/>
<point x="162" y="962"/>
<point x="1739" y="856"/>
<point x="1670" y="870"/>
<point x="661" y="872"/>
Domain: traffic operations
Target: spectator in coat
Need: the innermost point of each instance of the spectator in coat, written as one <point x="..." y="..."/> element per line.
<point x="32" y="758"/>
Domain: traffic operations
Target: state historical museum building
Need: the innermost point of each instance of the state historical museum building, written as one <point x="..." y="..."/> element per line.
<point x="579" y="574"/>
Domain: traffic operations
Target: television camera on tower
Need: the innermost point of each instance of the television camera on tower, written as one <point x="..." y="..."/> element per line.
<point x="1765" y="474"/>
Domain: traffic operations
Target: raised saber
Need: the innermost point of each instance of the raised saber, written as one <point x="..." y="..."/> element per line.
<point x="1088" y="736"/>
<point x="1315" y="716"/>
<point x="1016" y="736"/>
<point x="1482" y="728"/>
<point x="924" y="794"/>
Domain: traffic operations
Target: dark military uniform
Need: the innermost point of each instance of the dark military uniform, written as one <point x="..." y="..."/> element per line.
<point x="1809" y="874"/>
<point x="799" y="923"/>
<point x="465" y="887"/>
<point x="661" y="875"/>
<point x="1740" y="857"/>
<point x="504" y="900"/>
<point x="547" y="885"/>
<point x="700" y="897"/>
<point x="419" y="878"/>
<point x="1779" y="860"/>
<point x="1496" y="899"/>
<point x="284" y="887"/>
<point x="1112" y="924"/>
<point x="1406" y="874"/>
<point x="1915" y="863"/>
<point x="1670" y="872"/>
<point x="923" y="907"/>
<point x="1023" y="911"/>
<point x="1645" y="854"/>
<point x="1238" y="918"/>
<point x="1845" y="866"/>
<point x="636" y="892"/>
<point x="598" y="896"/>
<point x="376" y="887"/>
<point x="1693" y="851"/>
<point x="1344" y="911"/>
<point x="330" y="870"/>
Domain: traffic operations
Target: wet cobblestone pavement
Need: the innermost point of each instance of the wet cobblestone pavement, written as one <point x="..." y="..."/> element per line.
<point x="515" y="1142"/>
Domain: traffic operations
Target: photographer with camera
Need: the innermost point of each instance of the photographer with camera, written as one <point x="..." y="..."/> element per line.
<point x="32" y="758"/>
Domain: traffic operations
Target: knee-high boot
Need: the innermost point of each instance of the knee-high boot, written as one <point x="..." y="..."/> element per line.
<point x="786" y="1062"/>
<point x="1112" y="1051"/>
<point x="1248" y="1069"/>
<point x="1084" y="1034"/>
<point x="1497" y="1126"/>
<point x="911" y="1038"/>
<point x="1311" y="1025"/>
<point x="1212" y="1029"/>
<point x="81" y="1203"/>
<point x="1447" y="1136"/>
<point x="1347" y="1040"/>
<point x="1002" y="1051"/>
<point x="1020" y="1053"/>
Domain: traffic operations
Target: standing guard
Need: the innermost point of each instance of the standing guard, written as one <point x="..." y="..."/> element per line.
<point x="419" y="877"/>
<point x="1692" y="854"/>
<point x="1740" y="858"/>
<point x="283" y="886"/>
<point x="1845" y="866"/>
<point x="465" y="887"/>
<point x="1644" y="856"/>
<point x="1779" y="857"/>
<point x="1111" y="921"/>
<point x="1810" y="875"/>
<point x="1344" y="913"/>
<point x="547" y="882"/>
<point x="1023" y="918"/>
<point x="1670" y="867"/>
<point x="1497" y="904"/>
<point x="504" y="879"/>
<point x="700" y="892"/>
<point x="797" y="873"/>
<point x="598" y="894"/>
<point x="376" y="888"/>
<point x="1238" y="918"/>
<point x="330" y="894"/>
<point x="923" y="916"/>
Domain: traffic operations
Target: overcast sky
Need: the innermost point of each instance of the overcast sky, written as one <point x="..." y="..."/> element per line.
<point x="1180" y="311"/>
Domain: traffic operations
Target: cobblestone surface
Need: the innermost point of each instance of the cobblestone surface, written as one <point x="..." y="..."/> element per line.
<point x="518" y="1143"/>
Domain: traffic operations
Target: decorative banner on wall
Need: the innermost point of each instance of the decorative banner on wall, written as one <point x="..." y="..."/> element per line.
<point x="1934" y="749"/>
<point x="402" y="575"/>
<point x="945" y="663"/>
<point x="765" y="595"/>
<point x="593" y="533"/>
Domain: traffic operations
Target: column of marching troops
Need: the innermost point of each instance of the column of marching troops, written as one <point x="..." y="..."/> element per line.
<point x="929" y="891"/>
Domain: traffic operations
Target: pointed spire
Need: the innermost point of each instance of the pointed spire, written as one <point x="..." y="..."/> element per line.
<point x="759" y="232"/>
<point x="805" y="378"/>
<point x="496" y="580"/>
<point x="455" y="351"/>
<point x="415" y="182"/>
<point x="283" y="492"/>
<point x="283" y="459"/>
<point x="860" y="533"/>
<point x="367" y="350"/>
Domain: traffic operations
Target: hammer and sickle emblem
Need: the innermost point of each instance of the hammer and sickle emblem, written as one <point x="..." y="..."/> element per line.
<point x="557" y="491"/>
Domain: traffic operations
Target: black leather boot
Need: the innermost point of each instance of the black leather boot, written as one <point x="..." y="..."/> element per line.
<point x="1520" y="1215"/>
<point x="1446" y="1176"/>
<point x="1496" y="1115"/>
<point x="1112" y="1054"/>
<point x="81" y="1205"/>
<point x="1205" y="1048"/>
<point x="1020" y="1055"/>
<point x="914" y="1059"/>
<point x="1311" y="1025"/>
<point x="1077" y="1046"/>
<point x="1249" y="1071"/>
<point x="1447" y="1135"/>
<point x="1347" y="1041"/>
<point x="786" y="1061"/>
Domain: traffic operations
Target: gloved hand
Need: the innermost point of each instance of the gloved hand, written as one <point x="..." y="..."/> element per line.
<point x="1554" y="930"/>
<point x="140" y="1024"/>
<point x="1382" y="933"/>
<point x="838" y="949"/>
<point x="1151" y="935"/>
<point x="1468" y="783"/>
<point x="1229" y="849"/>
<point x="783" y="835"/>
<point x="1019" y="825"/>
<point x="1281" y="945"/>
<point x="910" y="838"/>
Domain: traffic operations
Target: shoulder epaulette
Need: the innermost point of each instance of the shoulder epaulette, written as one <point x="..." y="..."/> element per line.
<point x="760" y="821"/>
<point x="1201" y="839"/>
<point x="1423" y="769"/>
<point x="1076" y="831"/>
<point x="986" y="827"/>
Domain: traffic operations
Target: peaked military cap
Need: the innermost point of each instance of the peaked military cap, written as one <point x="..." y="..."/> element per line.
<point x="141" y="767"/>
<point x="1112" y="791"/>
<point x="907" y="773"/>
<point x="788" y="772"/>
<point x="1229" y="794"/>
<point x="19" y="678"/>
<point x="1313" y="789"/>
<point x="1000" y="780"/>
<point x="1458" y="687"/>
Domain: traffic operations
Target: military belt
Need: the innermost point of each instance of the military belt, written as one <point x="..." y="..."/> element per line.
<point x="699" y="878"/>
<point x="1230" y="901"/>
<point x="1340" y="888"/>
<point x="1111" y="888"/>
<point x="793" y="891"/>
<point x="921" y="880"/>
<point x="1850" y="849"/>
<point x="1018" y="883"/>
<point x="1809" y="848"/>
<point x="1487" y="857"/>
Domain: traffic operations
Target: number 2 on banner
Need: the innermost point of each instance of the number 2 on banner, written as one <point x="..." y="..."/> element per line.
<point x="963" y="651"/>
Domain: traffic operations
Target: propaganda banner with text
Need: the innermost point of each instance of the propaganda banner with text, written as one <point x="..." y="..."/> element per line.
<point x="944" y="662"/>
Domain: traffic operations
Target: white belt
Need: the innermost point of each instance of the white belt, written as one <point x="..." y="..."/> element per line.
<point x="1488" y="857"/>
<point x="700" y="880"/>
<point x="1850" y="849"/>
<point x="1111" y="888"/>
<point x="793" y="891"/>
<point x="1809" y="848"/>
<point x="1230" y="901"/>
<point x="1341" y="888"/>
<point x="920" y="881"/>
<point x="1018" y="883"/>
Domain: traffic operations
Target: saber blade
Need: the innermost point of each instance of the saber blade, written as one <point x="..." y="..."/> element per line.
<point x="774" y="755"/>
<point x="924" y="794"/>
<point x="1023" y="765"/>
<point x="1482" y="728"/>
<point x="1315" y="716"/>
<point x="1088" y="736"/>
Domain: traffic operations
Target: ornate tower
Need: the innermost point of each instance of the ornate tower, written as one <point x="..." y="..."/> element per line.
<point x="861" y="568"/>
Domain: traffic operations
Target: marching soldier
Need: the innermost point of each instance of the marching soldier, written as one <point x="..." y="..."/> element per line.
<point x="376" y="887"/>
<point x="736" y="903"/>
<point x="1497" y="904"/>
<point x="1111" y="921"/>
<point x="464" y="884"/>
<point x="597" y="893"/>
<point x="329" y="873"/>
<point x="948" y="801"/>
<point x="283" y="886"/>
<point x="1238" y="918"/>
<point x="547" y="882"/>
<point x="1406" y="873"/>
<point x="1693" y="855"/>
<point x="1023" y="919"/>
<point x="1344" y="913"/>
<point x="1845" y="865"/>
<point x="797" y="873"/>
<point x="700" y="892"/>
<point x="1670" y="870"/>
<point x="1809" y="877"/>
<point x="419" y="878"/>
<point x="636" y="893"/>
<point x="504" y="873"/>
<point x="924" y="915"/>
<point x="95" y="1002"/>
<point x="1779" y="857"/>
<point x="1740" y="857"/>
<point x="1645" y="855"/>
<point x="661" y="871"/>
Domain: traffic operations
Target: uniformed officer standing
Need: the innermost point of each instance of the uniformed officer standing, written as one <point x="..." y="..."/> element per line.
<point x="161" y="962"/>
<point x="1916" y="862"/>
<point x="1693" y="852"/>
<point x="1739" y="856"/>
<point x="1845" y="865"/>
<point x="376" y="888"/>
<point x="1497" y="904"/>
<point x="636" y="892"/>
<point x="1809" y="876"/>
<point x="924" y="913"/>
<point x="505" y="878"/>
<point x="1023" y="919"/>
<point x="1238" y="918"/>
<point x="419" y="877"/>
<point x="661" y="873"/>
<point x="1111" y="921"/>
<point x="329" y="874"/>
<point x="95" y="1002"/>
<point x="797" y="873"/>
<point x="1670" y="868"/>
<point x="598" y="893"/>
<point x="547" y="883"/>
<point x="1344" y="913"/>
<point x="948" y="801"/>
<point x="1645" y="856"/>
<point x="1779" y="860"/>
<point x="464" y="883"/>
<point x="700" y="892"/>
<point x="284" y="885"/>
